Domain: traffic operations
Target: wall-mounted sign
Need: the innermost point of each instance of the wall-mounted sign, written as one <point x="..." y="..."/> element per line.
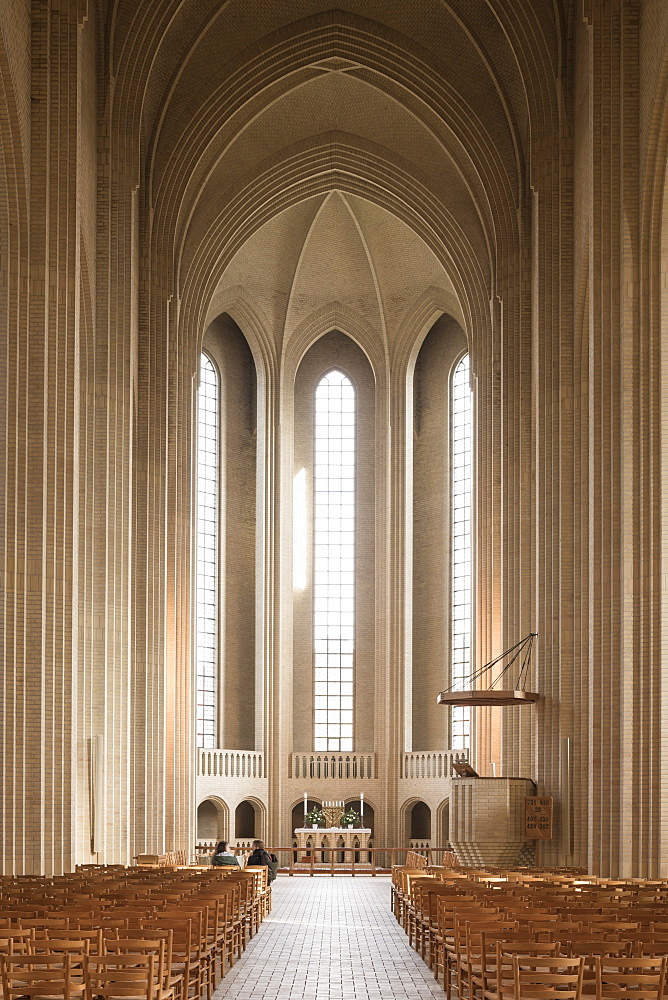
<point x="538" y="817"/>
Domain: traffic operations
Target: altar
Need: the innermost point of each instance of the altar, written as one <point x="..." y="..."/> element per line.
<point x="346" y="844"/>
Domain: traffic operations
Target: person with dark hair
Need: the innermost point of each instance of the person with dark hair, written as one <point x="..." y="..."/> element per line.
<point x="222" y="857"/>
<point x="264" y="859"/>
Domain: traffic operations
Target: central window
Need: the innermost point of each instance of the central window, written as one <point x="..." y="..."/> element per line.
<point x="334" y="561"/>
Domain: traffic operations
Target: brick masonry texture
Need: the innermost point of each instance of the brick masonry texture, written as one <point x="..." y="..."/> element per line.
<point x="316" y="181"/>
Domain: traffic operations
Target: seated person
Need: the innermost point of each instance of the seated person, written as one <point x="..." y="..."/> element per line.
<point x="263" y="858"/>
<point x="221" y="856"/>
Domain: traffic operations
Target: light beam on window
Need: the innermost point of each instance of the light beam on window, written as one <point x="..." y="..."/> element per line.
<point x="334" y="562"/>
<point x="461" y="545"/>
<point x="208" y="479"/>
<point x="299" y="554"/>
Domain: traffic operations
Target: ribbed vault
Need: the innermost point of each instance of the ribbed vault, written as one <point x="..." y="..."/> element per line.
<point x="430" y="117"/>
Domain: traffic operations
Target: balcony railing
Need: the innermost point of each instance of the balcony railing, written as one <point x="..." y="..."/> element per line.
<point x="333" y="765"/>
<point x="431" y="764"/>
<point x="230" y="764"/>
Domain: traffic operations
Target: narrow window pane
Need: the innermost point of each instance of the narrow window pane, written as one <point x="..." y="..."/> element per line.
<point x="208" y="478"/>
<point x="334" y="548"/>
<point x="461" y="420"/>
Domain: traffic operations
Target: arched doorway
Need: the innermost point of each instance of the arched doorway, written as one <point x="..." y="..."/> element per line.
<point x="244" y="821"/>
<point x="212" y="821"/>
<point x="442" y="825"/>
<point x="419" y="817"/>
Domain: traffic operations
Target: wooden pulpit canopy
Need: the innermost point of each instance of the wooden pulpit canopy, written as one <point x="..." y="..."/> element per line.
<point x="487" y="697"/>
<point x="468" y="693"/>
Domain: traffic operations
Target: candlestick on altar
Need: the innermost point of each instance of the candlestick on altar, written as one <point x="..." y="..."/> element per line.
<point x="361" y="808"/>
<point x="305" y="806"/>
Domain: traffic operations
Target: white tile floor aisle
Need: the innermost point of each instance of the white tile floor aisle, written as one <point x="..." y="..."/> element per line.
<point x="329" y="939"/>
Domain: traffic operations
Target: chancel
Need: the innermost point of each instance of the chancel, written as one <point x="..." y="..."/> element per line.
<point x="334" y="363"/>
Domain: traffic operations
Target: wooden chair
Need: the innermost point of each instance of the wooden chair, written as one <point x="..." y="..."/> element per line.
<point x="630" y="978"/>
<point x="189" y="967"/>
<point x="455" y="941"/>
<point x="415" y="909"/>
<point x="39" y="976"/>
<point x="60" y="923"/>
<point x="260" y="874"/>
<point x="154" y="942"/>
<point x="589" y="948"/>
<point x="14" y="941"/>
<point x="93" y="938"/>
<point x="442" y="938"/>
<point x="483" y="970"/>
<point x="226" y="932"/>
<point x="468" y="938"/>
<point x="547" y="977"/>
<point x="122" y="977"/>
<point x="53" y="944"/>
<point x="648" y="944"/>
<point x="108" y="924"/>
<point x="202" y="921"/>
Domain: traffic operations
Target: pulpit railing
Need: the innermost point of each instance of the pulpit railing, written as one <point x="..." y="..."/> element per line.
<point x="336" y="860"/>
<point x="428" y="764"/>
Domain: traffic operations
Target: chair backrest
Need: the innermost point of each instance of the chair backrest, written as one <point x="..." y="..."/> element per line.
<point x="61" y="923"/>
<point x="39" y="976"/>
<point x="547" y="977"/>
<point x="16" y="942"/>
<point x="625" y="978"/>
<point x="646" y="943"/>
<point x="113" y="976"/>
<point x="53" y="944"/>
<point x="585" y="945"/>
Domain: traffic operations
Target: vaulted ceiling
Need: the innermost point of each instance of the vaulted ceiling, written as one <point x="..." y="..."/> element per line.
<point x="358" y="156"/>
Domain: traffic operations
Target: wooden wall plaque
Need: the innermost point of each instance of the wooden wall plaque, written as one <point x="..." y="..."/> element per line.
<point x="538" y="817"/>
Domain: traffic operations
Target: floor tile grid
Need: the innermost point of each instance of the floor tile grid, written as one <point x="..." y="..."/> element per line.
<point x="330" y="939"/>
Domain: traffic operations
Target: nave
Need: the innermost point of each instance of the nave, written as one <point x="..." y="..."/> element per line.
<point x="329" y="939"/>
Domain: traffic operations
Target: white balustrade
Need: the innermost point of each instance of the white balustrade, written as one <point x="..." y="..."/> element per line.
<point x="230" y="764"/>
<point x="361" y="766"/>
<point x="427" y="764"/>
<point x="421" y="765"/>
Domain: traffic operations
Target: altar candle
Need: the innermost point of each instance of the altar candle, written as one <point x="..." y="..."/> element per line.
<point x="362" y="808"/>
<point x="305" y="806"/>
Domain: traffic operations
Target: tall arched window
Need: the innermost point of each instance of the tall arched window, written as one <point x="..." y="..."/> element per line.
<point x="334" y="562"/>
<point x="208" y="504"/>
<point x="461" y="544"/>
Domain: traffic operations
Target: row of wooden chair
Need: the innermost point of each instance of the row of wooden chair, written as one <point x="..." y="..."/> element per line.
<point x="486" y="933"/>
<point x="137" y="975"/>
<point x="192" y="924"/>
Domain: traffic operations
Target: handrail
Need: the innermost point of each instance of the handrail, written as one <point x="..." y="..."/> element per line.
<point x="355" y="861"/>
<point x="431" y="764"/>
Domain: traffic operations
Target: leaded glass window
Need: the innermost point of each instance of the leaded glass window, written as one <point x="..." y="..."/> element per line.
<point x="208" y="505"/>
<point x="334" y="562"/>
<point x="461" y="478"/>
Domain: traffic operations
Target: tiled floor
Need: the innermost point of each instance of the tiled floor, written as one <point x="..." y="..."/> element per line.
<point x="329" y="939"/>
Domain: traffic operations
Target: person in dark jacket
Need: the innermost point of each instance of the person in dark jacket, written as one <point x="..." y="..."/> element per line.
<point x="222" y="857"/>
<point x="263" y="858"/>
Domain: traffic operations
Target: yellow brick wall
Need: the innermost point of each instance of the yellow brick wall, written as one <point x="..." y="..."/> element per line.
<point x="164" y="163"/>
